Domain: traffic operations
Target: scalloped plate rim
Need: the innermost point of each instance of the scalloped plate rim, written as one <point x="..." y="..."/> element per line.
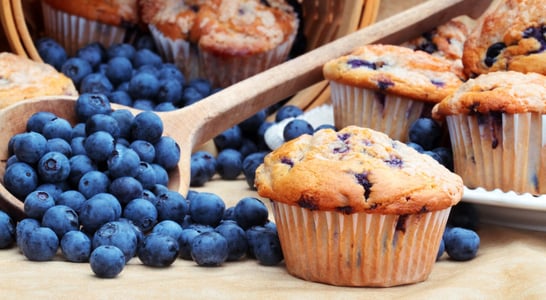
<point x="504" y="199"/>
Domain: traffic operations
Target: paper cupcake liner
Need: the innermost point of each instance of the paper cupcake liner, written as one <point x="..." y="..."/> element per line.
<point x="390" y="114"/>
<point x="179" y="52"/>
<point x="74" y="32"/>
<point x="505" y="151"/>
<point x="359" y="249"/>
<point x="223" y="70"/>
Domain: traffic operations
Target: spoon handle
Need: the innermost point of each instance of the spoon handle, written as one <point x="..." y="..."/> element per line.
<point x="234" y="104"/>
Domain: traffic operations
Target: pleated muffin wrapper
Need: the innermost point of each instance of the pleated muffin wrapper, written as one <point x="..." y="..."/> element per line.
<point x="74" y="32"/>
<point x="359" y="249"/>
<point x="225" y="70"/>
<point x="388" y="113"/>
<point x="180" y="52"/>
<point x="500" y="151"/>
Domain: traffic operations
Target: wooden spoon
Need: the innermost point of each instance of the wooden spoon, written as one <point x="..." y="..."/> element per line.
<point x="193" y="125"/>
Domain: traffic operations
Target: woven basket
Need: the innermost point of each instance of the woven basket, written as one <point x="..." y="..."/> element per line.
<point x="325" y="21"/>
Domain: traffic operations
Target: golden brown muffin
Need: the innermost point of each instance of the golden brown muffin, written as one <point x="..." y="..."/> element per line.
<point x="510" y="37"/>
<point x="496" y="125"/>
<point x="447" y="40"/>
<point x="116" y="12"/>
<point x="22" y="78"/>
<point x="356" y="208"/>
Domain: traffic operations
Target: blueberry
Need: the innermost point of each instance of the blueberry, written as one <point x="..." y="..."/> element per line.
<point x="260" y="140"/>
<point x="146" y="57"/>
<point x="249" y="212"/>
<point x="145" y="41"/>
<point x="209" y="249"/>
<point x="146" y="175"/>
<point x="493" y="52"/>
<point x="7" y="230"/>
<point x="93" y="52"/>
<point x="158" y="250"/>
<point x="250" y="164"/>
<point x="107" y="261"/>
<point x="446" y="156"/>
<point x="54" y="189"/>
<point x="119" y="69"/>
<point x="250" y="126"/>
<point x="461" y="244"/>
<point x="92" y="183"/>
<point x="288" y="111"/>
<point x="125" y="189"/>
<point x="118" y="234"/>
<point x="464" y="215"/>
<point x="434" y="155"/>
<point x="235" y="237"/>
<point x="53" y="167"/>
<point x="265" y="246"/>
<point x="72" y="199"/>
<point x="425" y="132"/>
<point x="296" y="128"/>
<point x="20" y="179"/>
<point x="99" y="146"/>
<point x="36" y="203"/>
<point x="248" y="146"/>
<point x="170" y="228"/>
<point x="230" y="138"/>
<point x="229" y="214"/>
<point x="58" y="128"/>
<point x="29" y="147"/>
<point x="164" y="106"/>
<point x="202" y="85"/>
<point x="186" y="237"/>
<point x="96" y="83"/>
<point x="79" y="165"/>
<point x="23" y="229"/>
<point x="171" y="205"/>
<point x="59" y="145"/>
<point x="77" y="146"/>
<point x="98" y="210"/>
<point x="416" y="146"/>
<point x="144" y="85"/>
<point x="121" y="50"/>
<point x="123" y="162"/>
<point x="76" y="69"/>
<point x="51" y="52"/>
<point x="89" y="104"/>
<point x="144" y="149"/>
<point x="161" y="175"/>
<point x="170" y="90"/>
<point x="170" y="71"/>
<point x="76" y="246"/>
<point x="229" y="164"/>
<point x="102" y="122"/>
<point x="147" y="126"/>
<point x="202" y="167"/>
<point x="37" y="121"/>
<point x="207" y="209"/>
<point x="167" y="152"/>
<point x="142" y="213"/>
<point x="40" y="244"/>
<point x="120" y="97"/>
<point x="144" y="104"/>
<point x="61" y="219"/>
<point x="190" y="95"/>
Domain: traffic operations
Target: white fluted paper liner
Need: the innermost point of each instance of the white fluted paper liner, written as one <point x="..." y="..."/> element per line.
<point x="506" y="153"/>
<point x="390" y="114"/>
<point x="225" y="70"/>
<point x="359" y="249"/>
<point x="179" y="52"/>
<point x="74" y="32"/>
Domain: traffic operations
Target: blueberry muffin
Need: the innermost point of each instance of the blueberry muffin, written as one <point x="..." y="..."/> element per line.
<point x="223" y="40"/>
<point x="356" y="208"/>
<point x="22" y="78"/>
<point x="496" y="126"/>
<point x="76" y="23"/>
<point x="388" y="87"/>
<point x="447" y="40"/>
<point x="509" y="37"/>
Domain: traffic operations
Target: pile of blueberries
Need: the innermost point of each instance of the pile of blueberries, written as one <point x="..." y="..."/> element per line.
<point x="133" y="75"/>
<point x="98" y="192"/>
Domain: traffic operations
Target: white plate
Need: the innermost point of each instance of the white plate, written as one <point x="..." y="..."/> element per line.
<point x="523" y="211"/>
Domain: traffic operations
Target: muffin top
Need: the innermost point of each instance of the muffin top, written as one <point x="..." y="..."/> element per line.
<point x="496" y="92"/>
<point x="396" y="70"/>
<point x="356" y="170"/>
<point x="446" y="40"/>
<point x="22" y="78"/>
<point x="112" y="12"/>
<point x="244" y="27"/>
<point x="510" y="37"/>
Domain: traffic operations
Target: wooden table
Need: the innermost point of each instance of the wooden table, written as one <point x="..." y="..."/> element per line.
<point x="511" y="264"/>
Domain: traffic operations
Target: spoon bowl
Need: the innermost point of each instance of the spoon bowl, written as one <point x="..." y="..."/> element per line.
<point x="193" y="125"/>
